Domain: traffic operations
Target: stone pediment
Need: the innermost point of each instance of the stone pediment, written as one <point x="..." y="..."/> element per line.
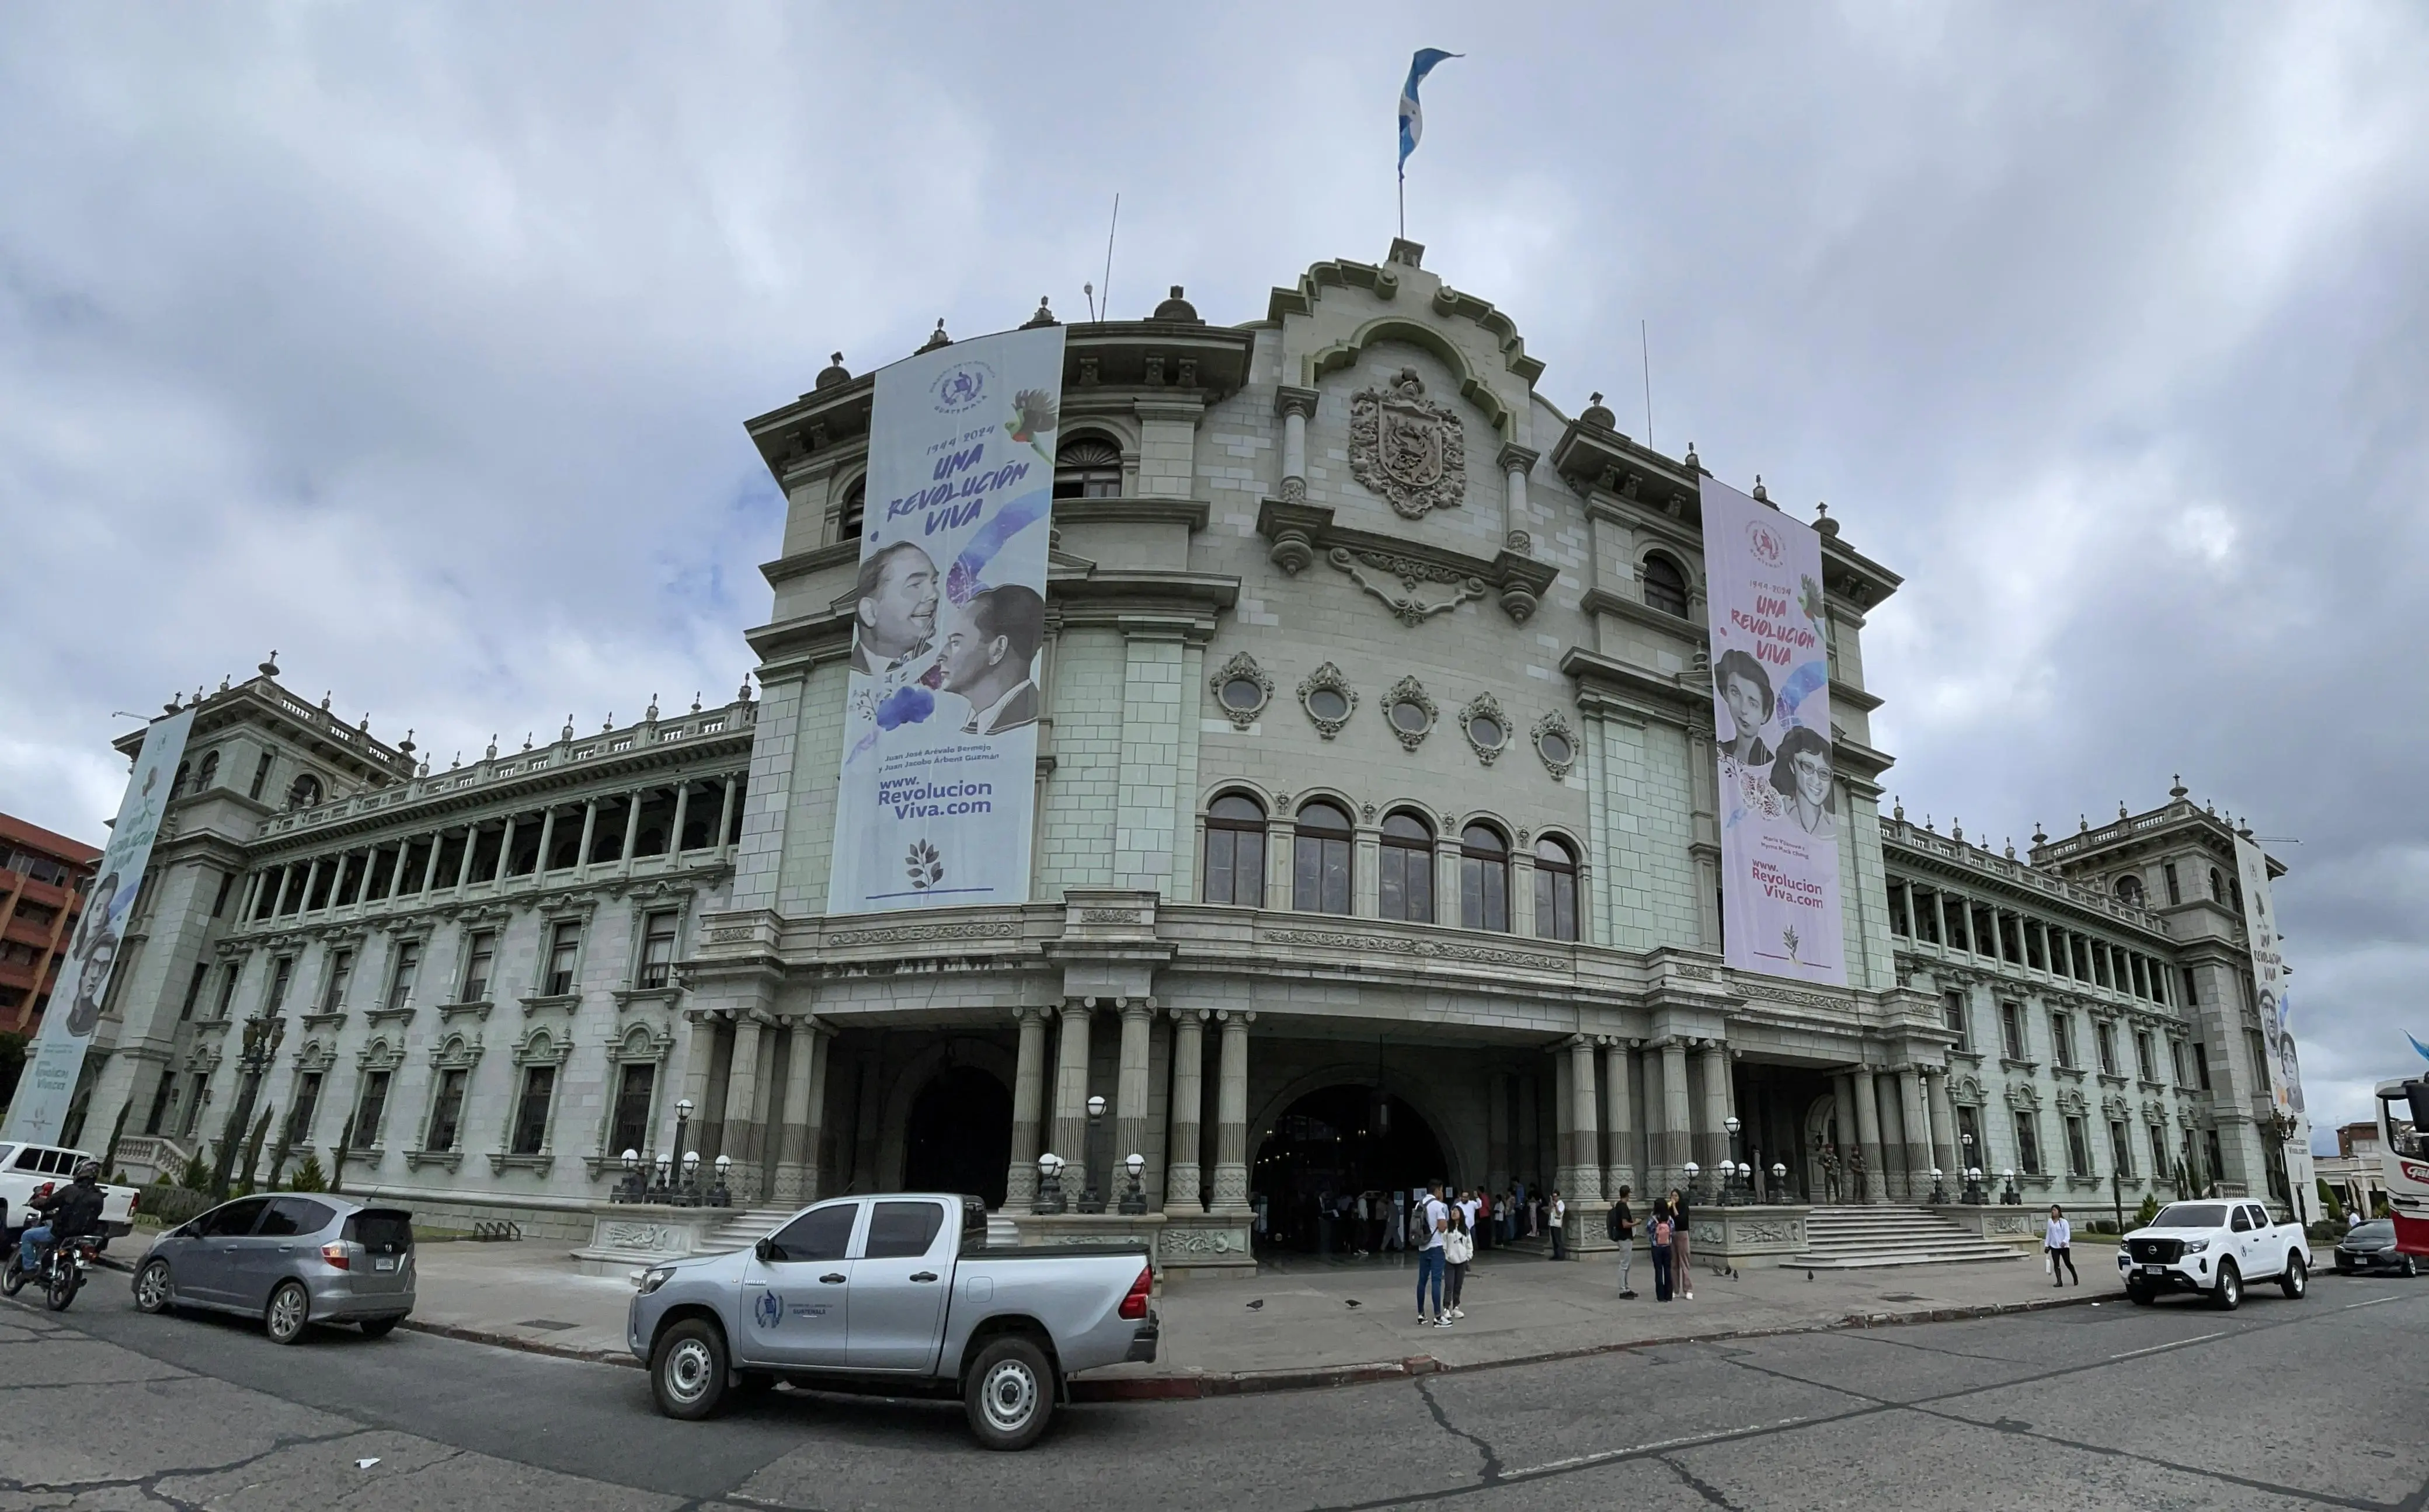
<point x="1417" y="580"/>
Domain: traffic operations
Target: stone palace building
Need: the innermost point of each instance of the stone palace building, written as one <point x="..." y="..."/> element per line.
<point x="1375" y="841"/>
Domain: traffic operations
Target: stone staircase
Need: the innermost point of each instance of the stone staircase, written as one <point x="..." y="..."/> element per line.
<point x="742" y="1228"/>
<point x="1852" y="1239"/>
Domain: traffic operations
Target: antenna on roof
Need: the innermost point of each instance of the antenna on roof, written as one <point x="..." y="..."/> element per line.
<point x="1106" y="302"/>
<point x="1644" y="345"/>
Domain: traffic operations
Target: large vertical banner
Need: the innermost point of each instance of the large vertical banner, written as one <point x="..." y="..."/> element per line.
<point x="48" y="1083"/>
<point x="933" y="807"/>
<point x="1771" y="709"/>
<point x="2269" y="983"/>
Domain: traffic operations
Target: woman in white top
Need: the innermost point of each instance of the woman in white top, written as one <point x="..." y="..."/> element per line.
<point x="1458" y="1248"/>
<point x="2058" y="1243"/>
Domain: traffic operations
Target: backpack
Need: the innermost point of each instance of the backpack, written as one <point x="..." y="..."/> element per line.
<point x="1660" y="1231"/>
<point x="1615" y="1223"/>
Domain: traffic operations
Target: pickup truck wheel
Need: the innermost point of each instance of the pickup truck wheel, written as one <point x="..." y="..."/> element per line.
<point x="2411" y="1266"/>
<point x="2228" y="1295"/>
<point x="152" y="1292"/>
<point x="2137" y="1293"/>
<point x="1010" y="1394"/>
<point x="687" y="1370"/>
<point x="2296" y="1279"/>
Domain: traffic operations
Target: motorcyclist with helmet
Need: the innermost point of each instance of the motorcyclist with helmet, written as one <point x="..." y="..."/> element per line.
<point x="72" y="1211"/>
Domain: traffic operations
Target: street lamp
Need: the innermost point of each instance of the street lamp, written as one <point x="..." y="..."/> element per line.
<point x="1779" y="1181"/>
<point x="689" y="1195"/>
<point x="2010" y="1196"/>
<point x="1690" y="1171"/>
<point x="1049" y="1184"/>
<point x="1728" y="1167"/>
<point x="662" y="1179"/>
<point x="1135" y="1200"/>
<point x="1974" y="1185"/>
<point x="683" y="1120"/>
<point x="634" y="1187"/>
<point x="722" y="1195"/>
<point x="1939" y="1192"/>
<point x="1090" y="1202"/>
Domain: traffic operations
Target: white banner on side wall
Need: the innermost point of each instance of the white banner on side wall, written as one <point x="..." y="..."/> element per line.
<point x="48" y="1082"/>
<point x="1779" y="804"/>
<point x="2270" y="983"/>
<point x="934" y="808"/>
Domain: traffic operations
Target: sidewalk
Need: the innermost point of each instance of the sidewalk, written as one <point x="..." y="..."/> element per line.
<point x="1324" y="1322"/>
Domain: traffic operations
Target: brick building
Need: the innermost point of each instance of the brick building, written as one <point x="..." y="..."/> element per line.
<point x="42" y="881"/>
<point x="1374" y="841"/>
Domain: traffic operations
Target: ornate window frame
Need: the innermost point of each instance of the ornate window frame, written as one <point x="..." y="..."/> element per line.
<point x="1484" y="706"/>
<point x="1241" y="668"/>
<point x="1328" y="676"/>
<point x="538" y="1047"/>
<point x="654" y="897"/>
<point x="640" y="1043"/>
<point x="456" y="1052"/>
<point x="1409" y="690"/>
<point x="378" y="1055"/>
<point x="1554" y="723"/>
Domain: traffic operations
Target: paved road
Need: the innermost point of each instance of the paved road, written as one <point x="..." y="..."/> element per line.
<point x="2280" y="1405"/>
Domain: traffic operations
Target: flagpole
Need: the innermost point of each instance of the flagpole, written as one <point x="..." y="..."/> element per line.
<point x="1404" y="201"/>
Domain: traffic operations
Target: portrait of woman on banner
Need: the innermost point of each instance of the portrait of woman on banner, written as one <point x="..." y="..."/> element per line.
<point x="1746" y="692"/>
<point x="1801" y="774"/>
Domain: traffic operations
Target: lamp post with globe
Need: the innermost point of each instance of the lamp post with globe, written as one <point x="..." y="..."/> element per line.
<point x="1779" y="1181"/>
<point x="1135" y="1200"/>
<point x="1049" y="1184"/>
<point x="1091" y="1201"/>
<point x="1728" y="1165"/>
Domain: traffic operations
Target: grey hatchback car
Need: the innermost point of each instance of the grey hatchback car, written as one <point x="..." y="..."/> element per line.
<point x="291" y="1260"/>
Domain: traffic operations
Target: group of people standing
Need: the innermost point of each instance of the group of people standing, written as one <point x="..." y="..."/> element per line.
<point x="1665" y="1243"/>
<point x="1375" y="1223"/>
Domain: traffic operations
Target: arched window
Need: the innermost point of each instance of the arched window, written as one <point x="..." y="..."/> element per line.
<point x="303" y="792"/>
<point x="2129" y="890"/>
<point x="1665" y="585"/>
<point x="1405" y="889"/>
<point x="1321" y="860"/>
<point x="2217" y="886"/>
<point x="209" y="772"/>
<point x="855" y="510"/>
<point x="1483" y="879"/>
<point x="1235" y="851"/>
<point x="1087" y="467"/>
<point x="177" y="788"/>
<point x="1556" y="890"/>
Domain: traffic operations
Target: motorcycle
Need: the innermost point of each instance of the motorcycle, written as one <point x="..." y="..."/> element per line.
<point x="61" y="1272"/>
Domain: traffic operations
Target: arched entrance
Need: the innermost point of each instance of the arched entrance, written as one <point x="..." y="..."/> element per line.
<point x="1341" y="1138"/>
<point x="959" y="1138"/>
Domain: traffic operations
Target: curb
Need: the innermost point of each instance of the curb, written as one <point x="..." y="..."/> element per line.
<point x="1190" y="1388"/>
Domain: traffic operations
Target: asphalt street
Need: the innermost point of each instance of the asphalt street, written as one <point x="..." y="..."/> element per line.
<point x="2317" y="1403"/>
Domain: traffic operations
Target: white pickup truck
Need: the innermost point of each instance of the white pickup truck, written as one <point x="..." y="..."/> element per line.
<point x="28" y="1168"/>
<point x="2218" y="1246"/>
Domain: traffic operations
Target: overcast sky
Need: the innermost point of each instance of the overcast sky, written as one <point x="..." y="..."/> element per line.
<point x="415" y="342"/>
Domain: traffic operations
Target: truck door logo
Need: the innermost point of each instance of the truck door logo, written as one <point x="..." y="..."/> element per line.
<point x="769" y="1310"/>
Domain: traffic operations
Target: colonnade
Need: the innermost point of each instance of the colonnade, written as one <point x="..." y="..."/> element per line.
<point x="369" y="874"/>
<point x="1897" y="1154"/>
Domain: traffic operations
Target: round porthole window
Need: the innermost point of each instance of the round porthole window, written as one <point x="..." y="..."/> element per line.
<point x="1554" y="747"/>
<point x="1485" y="731"/>
<point x="1243" y="694"/>
<point x="1328" y="703"/>
<point x="1410" y="715"/>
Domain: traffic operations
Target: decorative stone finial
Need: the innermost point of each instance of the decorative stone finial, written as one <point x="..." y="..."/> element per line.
<point x="492" y="753"/>
<point x="1177" y="310"/>
<point x="406" y="746"/>
<point x="1695" y="463"/>
<point x="610" y="724"/>
<point x="695" y="701"/>
<point x="2038" y="838"/>
<point x="1762" y="494"/>
<point x="224" y="680"/>
<point x="568" y="729"/>
<point x="2122" y="810"/>
<point x="1956" y="829"/>
<point x="324" y="700"/>
<point x="1598" y="415"/>
<point x="2082" y="824"/>
<point x="269" y="668"/>
<point x="527" y="738"/>
<point x="1043" y="317"/>
<point x="1823" y="521"/>
<point x="834" y="372"/>
<point x="938" y="338"/>
<point x="456" y="760"/>
<point x="2011" y="848"/>
<point x="744" y="697"/>
<point x="652" y="715"/>
<point x="175" y="702"/>
<point x="365" y="728"/>
<point x="1897" y="809"/>
<point x="2178" y="791"/>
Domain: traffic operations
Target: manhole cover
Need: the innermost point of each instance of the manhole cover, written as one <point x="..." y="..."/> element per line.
<point x="550" y="1324"/>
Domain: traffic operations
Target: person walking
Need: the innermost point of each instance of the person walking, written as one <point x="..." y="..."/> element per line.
<point x="2058" y="1245"/>
<point x="1659" y="1232"/>
<point x="1619" y="1226"/>
<point x="1435" y="1217"/>
<point x="1560" y="1226"/>
<point x="1682" y="1279"/>
<point x="1396" y="1234"/>
<point x="1459" y="1249"/>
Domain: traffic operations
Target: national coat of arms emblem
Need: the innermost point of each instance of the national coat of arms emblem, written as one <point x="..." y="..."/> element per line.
<point x="1412" y="452"/>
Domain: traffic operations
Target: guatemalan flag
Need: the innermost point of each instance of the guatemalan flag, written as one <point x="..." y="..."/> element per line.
<point x="1412" y="121"/>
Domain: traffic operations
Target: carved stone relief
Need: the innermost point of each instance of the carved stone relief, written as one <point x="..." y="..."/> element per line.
<point x="1405" y="604"/>
<point x="1406" y="450"/>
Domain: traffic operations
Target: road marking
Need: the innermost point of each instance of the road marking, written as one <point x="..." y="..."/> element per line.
<point x="2372" y="1303"/>
<point x="1658" y="1446"/>
<point x="2180" y="1344"/>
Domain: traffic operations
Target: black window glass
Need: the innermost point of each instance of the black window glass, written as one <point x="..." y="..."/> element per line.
<point x="296" y="1215"/>
<point x="821" y="1234"/>
<point x="234" y="1220"/>
<point x="382" y="1231"/>
<point x="903" y="1231"/>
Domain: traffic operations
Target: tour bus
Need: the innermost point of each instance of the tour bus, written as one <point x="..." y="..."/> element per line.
<point x="2403" y="1159"/>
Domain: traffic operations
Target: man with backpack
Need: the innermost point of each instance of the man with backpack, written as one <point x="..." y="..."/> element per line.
<point x="1619" y="1226"/>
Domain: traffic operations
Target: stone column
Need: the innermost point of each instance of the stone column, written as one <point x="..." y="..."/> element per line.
<point x="1919" y="1159"/>
<point x="1028" y="1103"/>
<point x="1130" y="1098"/>
<point x="1868" y="1135"/>
<point x="1497" y="1131"/>
<point x="683" y="806"/>
<point x="1180" y="1193"/>
<point x="797" y="1174"/>
<point x="1619" y="1133"/>
<point x="1582" y="1182"/>
<point x="1515" y="462"/>
<point x="505" y="851"/>
<point x="725" y="816"/>
<point x="1071" y="1099"/>
<point x="700" y="1057"/>
<point x="1295" y="405"/>
<point x="1714" y="1143"/>
<point x="464" y="867"/>
<point x="1670" y="1136"/>
<point x="1231" y="1116"/>
<point x="740" y="1136"/>
<point x="589" y="828"/>
<point x="430" y="865"/>
<point x="865" y="1114"/>
<point x="1945" y="1152"/>
<point x="311" y="879"/>
<point x="278" y="900"/>
<point x="631" y="825"/>
<point x="547" y="837"/>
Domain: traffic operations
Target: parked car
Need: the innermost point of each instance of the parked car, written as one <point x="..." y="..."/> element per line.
<point x="899" y="1295"/>
<point x="2371" y="1246"/>
<point x="2218" y="1247"/>
<point x="291" y="1260"/>
<point x="28" y="1170"/>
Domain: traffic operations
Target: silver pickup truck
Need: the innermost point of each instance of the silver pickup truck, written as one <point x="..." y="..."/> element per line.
<point x="898" y="1295"/>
